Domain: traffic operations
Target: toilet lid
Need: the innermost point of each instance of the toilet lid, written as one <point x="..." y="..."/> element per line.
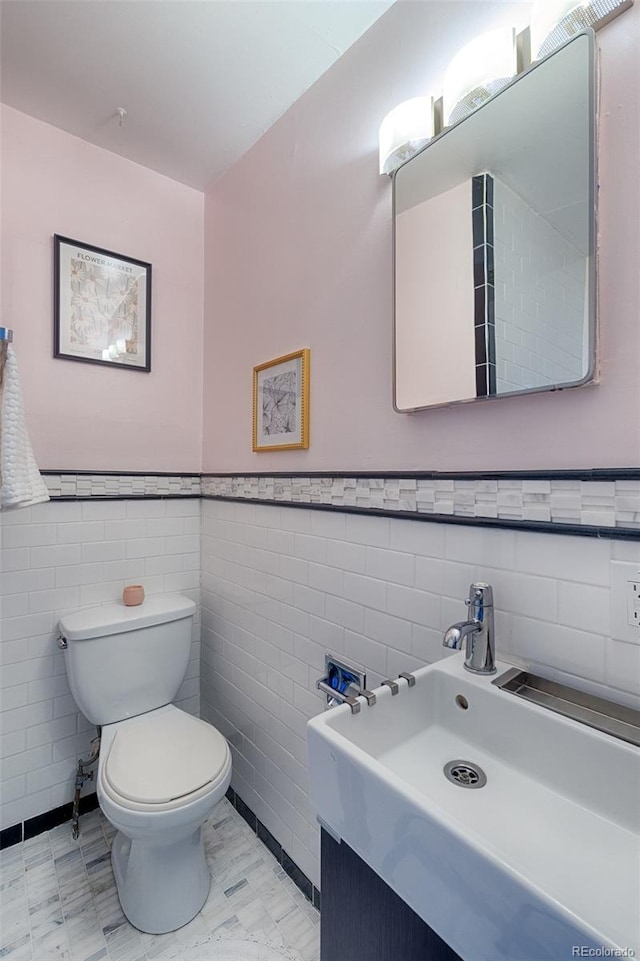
<point x="164" y="757"/>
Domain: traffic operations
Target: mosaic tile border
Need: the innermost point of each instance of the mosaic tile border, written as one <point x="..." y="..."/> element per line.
<point x="598" y="502"/>
<point x="81" y="485"/>
<point x="607" y="506"/>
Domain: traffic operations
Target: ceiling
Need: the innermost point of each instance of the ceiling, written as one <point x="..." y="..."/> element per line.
<point x="201" y="80"/>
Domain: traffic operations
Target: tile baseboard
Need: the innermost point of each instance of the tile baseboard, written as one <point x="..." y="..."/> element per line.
<point x="30" y="828"/>
<point x="45" y="822"/>
<point x="298" y="877"/>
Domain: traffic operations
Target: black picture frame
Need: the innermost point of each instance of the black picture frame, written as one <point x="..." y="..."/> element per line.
<point x="102" y="306"/>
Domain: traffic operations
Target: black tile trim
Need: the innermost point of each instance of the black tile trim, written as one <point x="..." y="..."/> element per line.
<point x="269" y="841"/>
<point x="479" y="276"/>
<point x="478" y="225"/>
<point x="123" y="497"/>
<point x="290" y="867"/>
<point x="491" y="340"/>
<point x="10" y="836"/>
<point x="547" y="527"/>
<point x="482" y="380"/>
<point x="45" y="822"/>
<point x="583" y="473"/>
<point x="246" y="812"/>
<point x="480" y="336"/>
<point x="125" y="473"/>
<point x="491" y="368"/>
<point x="489" y="191"/>
<point x="477" y="192"/>
<point x="489" y="259"/>
<point x="483" y="274"/>
<point x="297" y="876"/>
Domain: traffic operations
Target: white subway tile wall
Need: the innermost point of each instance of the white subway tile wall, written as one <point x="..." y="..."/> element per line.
<point x="540" y="311"/>
<point x="282" y="586"/>
<point x="59" y="557"/>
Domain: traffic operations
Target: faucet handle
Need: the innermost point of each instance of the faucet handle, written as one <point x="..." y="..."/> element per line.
<point x="477" y="631"/>
<point x="479" y="591"/>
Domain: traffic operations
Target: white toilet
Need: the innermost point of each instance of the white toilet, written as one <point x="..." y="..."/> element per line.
<point x="161" y="771"/>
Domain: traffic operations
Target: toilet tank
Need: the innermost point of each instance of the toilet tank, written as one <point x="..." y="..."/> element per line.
<point x="123" y="661"/>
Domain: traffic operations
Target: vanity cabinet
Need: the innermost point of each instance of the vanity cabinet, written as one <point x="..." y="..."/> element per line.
<point x="364" y="920"/>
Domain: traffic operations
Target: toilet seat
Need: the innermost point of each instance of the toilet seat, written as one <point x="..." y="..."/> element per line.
<point x="163" y="760"/>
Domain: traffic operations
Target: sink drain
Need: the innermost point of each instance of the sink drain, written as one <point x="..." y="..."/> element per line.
<point x="465" y="774"/>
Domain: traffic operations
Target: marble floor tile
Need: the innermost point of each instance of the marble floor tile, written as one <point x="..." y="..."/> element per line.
<point x="18" y="950"/>
<point x="58" y="900"/>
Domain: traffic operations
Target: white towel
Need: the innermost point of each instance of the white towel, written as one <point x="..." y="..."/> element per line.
<point x="20" y="478"/>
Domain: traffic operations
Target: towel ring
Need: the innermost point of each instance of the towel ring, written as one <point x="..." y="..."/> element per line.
<point x="6" y="336"/>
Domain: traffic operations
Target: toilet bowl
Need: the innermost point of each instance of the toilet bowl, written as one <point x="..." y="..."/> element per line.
<point x="160" y="771"/>
<point x="159" y="777"/>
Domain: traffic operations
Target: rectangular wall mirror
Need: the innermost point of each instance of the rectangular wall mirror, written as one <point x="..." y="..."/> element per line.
<point x="494" y="227"/>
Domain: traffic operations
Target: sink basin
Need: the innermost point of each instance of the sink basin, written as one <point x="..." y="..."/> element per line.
<point x="542" y="860"/>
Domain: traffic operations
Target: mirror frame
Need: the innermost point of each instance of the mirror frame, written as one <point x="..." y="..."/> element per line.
<point x="590" y="377"/>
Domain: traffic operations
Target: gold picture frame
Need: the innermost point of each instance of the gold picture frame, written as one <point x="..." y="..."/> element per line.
<point x="281" y="403"/>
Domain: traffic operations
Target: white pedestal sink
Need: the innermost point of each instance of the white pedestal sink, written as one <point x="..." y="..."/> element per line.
<point x="542" y="862"/>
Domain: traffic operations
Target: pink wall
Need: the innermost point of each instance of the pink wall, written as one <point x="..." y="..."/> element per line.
<point x="83" y="416"/>
<point x="298" y="254"/>
<point x="435" y="357"/>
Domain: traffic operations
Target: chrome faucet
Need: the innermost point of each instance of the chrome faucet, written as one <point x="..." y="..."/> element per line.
<point x="478" y="632"/>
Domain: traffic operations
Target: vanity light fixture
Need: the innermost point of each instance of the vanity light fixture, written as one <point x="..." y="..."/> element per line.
<point x="479" y="70"/>
<point x="553" y="22"/>
<point x="404" y="131"/>
<point x="483" y="67"/>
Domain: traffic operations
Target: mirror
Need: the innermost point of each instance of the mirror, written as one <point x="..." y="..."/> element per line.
<point x="494" y="225"/>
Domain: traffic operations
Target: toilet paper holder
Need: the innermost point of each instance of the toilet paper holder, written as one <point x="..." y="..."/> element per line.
<point x="344" y="684"/>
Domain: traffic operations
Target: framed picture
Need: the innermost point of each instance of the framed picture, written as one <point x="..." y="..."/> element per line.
<point x="102" y="306"/>
<point x="281" y="403"/>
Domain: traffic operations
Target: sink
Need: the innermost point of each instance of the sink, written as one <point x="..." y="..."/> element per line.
<point x="542" y="860"/>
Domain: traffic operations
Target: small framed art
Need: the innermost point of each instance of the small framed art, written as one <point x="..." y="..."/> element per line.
<point x="281" y="403"/>
<point x="102" y="306"/>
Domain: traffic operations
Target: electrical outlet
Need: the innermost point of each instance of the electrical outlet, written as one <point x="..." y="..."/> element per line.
<point x="633" y="602"/>
<point x="625" y="602"/>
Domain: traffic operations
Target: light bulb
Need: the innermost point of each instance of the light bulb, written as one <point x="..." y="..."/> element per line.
<point x="553" y="22"/>
<point x="403" y="132"/>
<point x="478" y="71"/>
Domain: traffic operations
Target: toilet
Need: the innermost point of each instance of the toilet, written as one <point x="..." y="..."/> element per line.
<point x="160" y="771"/>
